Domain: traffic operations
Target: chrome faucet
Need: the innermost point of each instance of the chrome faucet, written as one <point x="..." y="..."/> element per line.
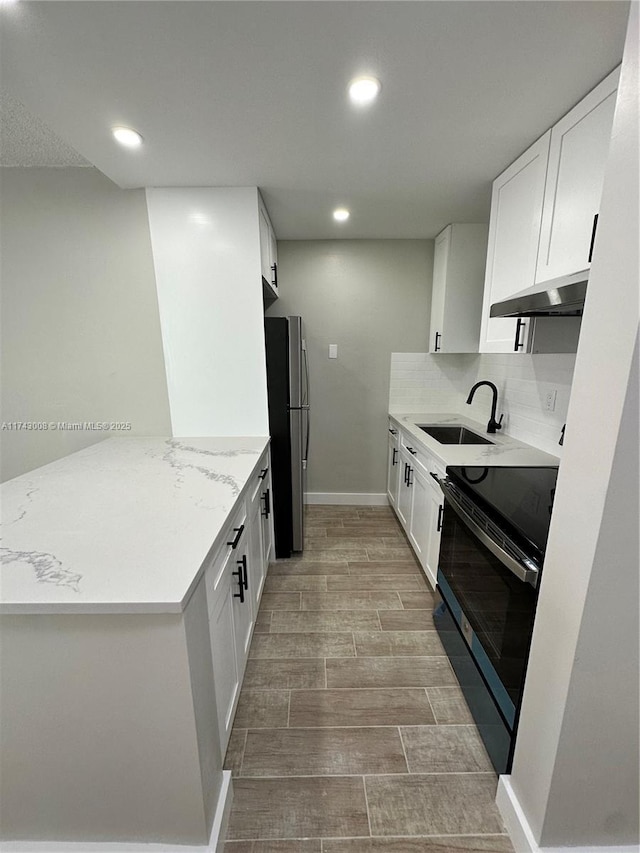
<point x="493" y="424"/>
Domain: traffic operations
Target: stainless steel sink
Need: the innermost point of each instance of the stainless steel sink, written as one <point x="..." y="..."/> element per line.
<point x="454" y="434"/>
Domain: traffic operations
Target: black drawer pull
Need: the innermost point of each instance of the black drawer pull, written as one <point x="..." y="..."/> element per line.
<point x="263" y="473"/>
<point x="409" y="473"/>
<point x="412" y="451"/>
<point x="393" y="458"/>
<point x="241" y="580"/>
<point x="266" y="498"/>
<point x="243" y="564"/>
<point x="440" y="514"/>
<point x="238" y="531"/>
<point x="437" y="345"/>
<point x="393" y="431"/>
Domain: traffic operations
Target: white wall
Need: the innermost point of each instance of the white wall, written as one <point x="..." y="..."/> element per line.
<point x="206" y="253"/>
<point x="369" y="297"/>
<point x="80" y="327"/>
<point x="576" y="765"/>
<point x="423" y="381"/>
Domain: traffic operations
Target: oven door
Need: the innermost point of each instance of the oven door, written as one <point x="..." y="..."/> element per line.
<point x="490" y="589"/>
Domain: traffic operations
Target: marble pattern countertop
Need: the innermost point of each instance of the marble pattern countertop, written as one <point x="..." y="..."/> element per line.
<point x="506" y="450"/>
<point x="123" y="526"/>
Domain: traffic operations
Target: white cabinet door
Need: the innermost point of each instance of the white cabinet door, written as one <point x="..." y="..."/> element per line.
<point x="266" y="520"/>
<point x="436" y="504"/>
<point x="440" y="261"/>
<point x="223" y="654"/>
<point x="577" y="158"/>
<point x="458" y="281"/>
<point x="403" y="504"/>
<point x="241" y="591"/>
<point x="268" y="249"/>
<point x="420" y="524"/>
<point x="255" y="558"/>
<point x="514" y="232"/>
<point x="273" y="259"/>
<point x="393" y="467"/>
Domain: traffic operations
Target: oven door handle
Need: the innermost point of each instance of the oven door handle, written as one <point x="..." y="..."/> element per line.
<point x="522" y="572"/>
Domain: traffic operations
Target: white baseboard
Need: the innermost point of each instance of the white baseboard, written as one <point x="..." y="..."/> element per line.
<point x="215" y="845"/>
<point x="221" y="817"/>
<point x="347" y="498"/>
<point x="520" y="832"/>
<point x="514" y="818"/>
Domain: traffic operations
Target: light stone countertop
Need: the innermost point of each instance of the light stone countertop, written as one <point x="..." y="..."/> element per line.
<point x="123" y="526"/>
<point x="506" y="450"/>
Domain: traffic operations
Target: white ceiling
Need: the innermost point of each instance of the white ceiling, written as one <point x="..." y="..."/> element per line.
<point x="254" y="93"/>
<point x="27" y="141"/>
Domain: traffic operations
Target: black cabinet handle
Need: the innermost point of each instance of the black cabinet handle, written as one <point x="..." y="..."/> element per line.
<point x="242" y="582"/>
<point x="243" y="564"/>
<point x="412" y="451"/>
<point x="393" y="431"/>
<point x="266" y="509"/>
<point x="409" y="473"/>
<point x="440" y="513"/>
<point x="393" y="458"/>
<point x="520" y="324"/>
<point x="436" y="347"/>
<point x="238" y="531"/>
<point x="593" y="236"/>
<point x="406" y="469"/>
<point x="263" y="473"/>
<point x="274" y="270"/>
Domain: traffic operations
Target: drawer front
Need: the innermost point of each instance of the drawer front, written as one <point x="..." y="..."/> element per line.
<point x="421" y="458"/>
<point x="218" y="563"/>
<point x="259" y="481"/>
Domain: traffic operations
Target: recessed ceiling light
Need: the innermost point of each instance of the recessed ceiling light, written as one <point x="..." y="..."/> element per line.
<point x="127" y="136"/>
<point x="341" y="214"/>
<point x="364" y="90"/>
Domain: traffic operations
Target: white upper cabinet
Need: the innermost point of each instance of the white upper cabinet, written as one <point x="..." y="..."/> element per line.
<point x="268" y="252"/>
<point x="458" y="277"/>
<point x="206" y="255"/>
<point x="514" y="232"/>
<point x="577" y="157"/>
<point x="543" y="219"/>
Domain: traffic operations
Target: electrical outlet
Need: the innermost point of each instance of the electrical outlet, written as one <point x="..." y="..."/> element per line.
<point x="550" y="400"/>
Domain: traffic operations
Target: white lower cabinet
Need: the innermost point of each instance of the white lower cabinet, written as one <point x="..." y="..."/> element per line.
<point x="234" y="581"/>
<point x="223" y="653"/>
<point x="256" y="568"/>
<point x="393" y="466"/>
<point x="434" y="514"/>
<point x="403" y="501"/>
<point x="242" y="596"/>
<point x="419" y="527"/>
<point x="417" y="500"/>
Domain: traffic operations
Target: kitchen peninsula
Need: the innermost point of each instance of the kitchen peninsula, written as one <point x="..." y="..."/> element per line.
<point x="118" y="678"/>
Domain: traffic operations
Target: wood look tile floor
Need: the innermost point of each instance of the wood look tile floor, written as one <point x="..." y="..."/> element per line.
<point x="351" y="733"/>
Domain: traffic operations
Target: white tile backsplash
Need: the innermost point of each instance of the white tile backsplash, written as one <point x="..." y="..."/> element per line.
<point x="442" y="382"/>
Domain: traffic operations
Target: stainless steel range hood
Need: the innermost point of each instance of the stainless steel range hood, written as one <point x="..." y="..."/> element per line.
<point x="558" y="297"/>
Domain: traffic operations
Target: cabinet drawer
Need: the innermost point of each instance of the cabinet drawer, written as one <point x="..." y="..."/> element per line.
<point x="260" y="480"/>
<point x="419" y="456"/>
<point x="214" y="573"/>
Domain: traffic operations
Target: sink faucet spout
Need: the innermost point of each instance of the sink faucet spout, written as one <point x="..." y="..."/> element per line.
<point x="493" y="424"/>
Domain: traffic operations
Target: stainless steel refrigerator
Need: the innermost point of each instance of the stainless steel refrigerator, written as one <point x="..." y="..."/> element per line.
<point x="288" y="392"/>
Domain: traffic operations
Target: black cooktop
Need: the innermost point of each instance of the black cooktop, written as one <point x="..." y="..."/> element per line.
<point x="517" y="499"/>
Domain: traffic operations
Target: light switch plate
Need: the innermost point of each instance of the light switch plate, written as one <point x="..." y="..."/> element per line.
<point x="333" y="350"/>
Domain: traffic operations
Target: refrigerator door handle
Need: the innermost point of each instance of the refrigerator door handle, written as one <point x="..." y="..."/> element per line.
<point x="307" y="419"/>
